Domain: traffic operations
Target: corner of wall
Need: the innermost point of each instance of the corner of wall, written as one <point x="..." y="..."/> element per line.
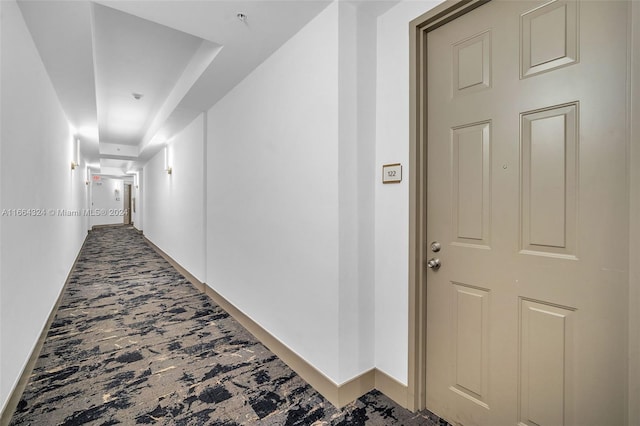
<point x="392" y="201"/>
<point x="349" y="336"/>
<point x="272" y="193"/>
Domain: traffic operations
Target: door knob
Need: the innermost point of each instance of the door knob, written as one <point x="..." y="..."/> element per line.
<point x="433" y="263"/>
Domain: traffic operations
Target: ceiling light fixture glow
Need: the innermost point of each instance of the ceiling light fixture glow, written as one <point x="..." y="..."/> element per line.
<point x="167" y="167"/>
<point x="89" y="132"/>
<point x="158" y="140"/>
<point x="76" y="157"/>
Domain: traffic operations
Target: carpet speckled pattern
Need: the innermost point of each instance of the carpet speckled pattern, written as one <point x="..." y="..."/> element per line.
<point x="133" y="342"/>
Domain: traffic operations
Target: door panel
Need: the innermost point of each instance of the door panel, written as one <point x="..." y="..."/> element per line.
<point x="545" y="362"/>
<point x="127" y="204"/>
<point x="527" y="194"/>
<point x="549" y="37"/>
<point x="471" y="184"/>
<point x="549" y="181"/>
<point x="469" y="350"/>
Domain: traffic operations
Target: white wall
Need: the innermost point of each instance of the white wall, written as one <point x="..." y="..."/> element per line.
<point x="174" y="204"/>
<point x="272" y="193"/>
<point x="37" y="150"/>
<point x="348" y="275"/>
<point x="357" y="95"/>
<point x="106" y="205"/>
<point x="286" y="169"/>
<point x="392" y="201"/>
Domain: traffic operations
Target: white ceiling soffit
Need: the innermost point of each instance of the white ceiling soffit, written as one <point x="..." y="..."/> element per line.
<point x="110" y="150"/>
<point x="268" y="25"/>
<point x="134" y="57"/>
<point x="374" y="8"/>
<point x="182" y="56"/>
<point x="116" y="167"/>
<point x="62" y="33"/>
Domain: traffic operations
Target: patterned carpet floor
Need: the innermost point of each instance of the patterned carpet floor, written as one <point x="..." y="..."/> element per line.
<point x="133" y="342"/>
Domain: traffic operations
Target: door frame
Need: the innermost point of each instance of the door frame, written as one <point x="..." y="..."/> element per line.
<point x="418" y="30"/>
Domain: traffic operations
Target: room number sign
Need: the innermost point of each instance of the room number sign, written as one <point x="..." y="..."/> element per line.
<point x="392" y="173"/>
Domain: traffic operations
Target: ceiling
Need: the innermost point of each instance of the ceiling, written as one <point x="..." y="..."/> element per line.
<point x="131" y="74"/>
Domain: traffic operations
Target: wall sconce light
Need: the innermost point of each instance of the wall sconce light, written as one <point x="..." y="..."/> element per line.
<point x="76" y="159"/>
<point x="167" y="167"/>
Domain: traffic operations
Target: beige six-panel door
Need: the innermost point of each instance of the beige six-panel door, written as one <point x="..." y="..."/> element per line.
<point x="527" y="197"/>
<point x="127" y="204"/>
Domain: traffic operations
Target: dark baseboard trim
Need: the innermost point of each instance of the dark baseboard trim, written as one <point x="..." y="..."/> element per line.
<point x="109" y="225"/>
<point x="338" y="395"/>
<point x="188" y="275"/>
<point x="395" y="390"/>
<point x="16" y="393"/>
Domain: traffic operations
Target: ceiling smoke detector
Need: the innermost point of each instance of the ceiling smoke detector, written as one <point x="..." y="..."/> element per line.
<point x="137" y="96"/>
<point x="242" y="17"/>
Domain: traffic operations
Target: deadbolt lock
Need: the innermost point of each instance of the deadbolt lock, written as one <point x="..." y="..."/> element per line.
<point x="435" y="246"/>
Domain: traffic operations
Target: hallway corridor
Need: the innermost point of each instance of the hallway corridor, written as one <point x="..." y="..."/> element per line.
<point x="133" y="342"/>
